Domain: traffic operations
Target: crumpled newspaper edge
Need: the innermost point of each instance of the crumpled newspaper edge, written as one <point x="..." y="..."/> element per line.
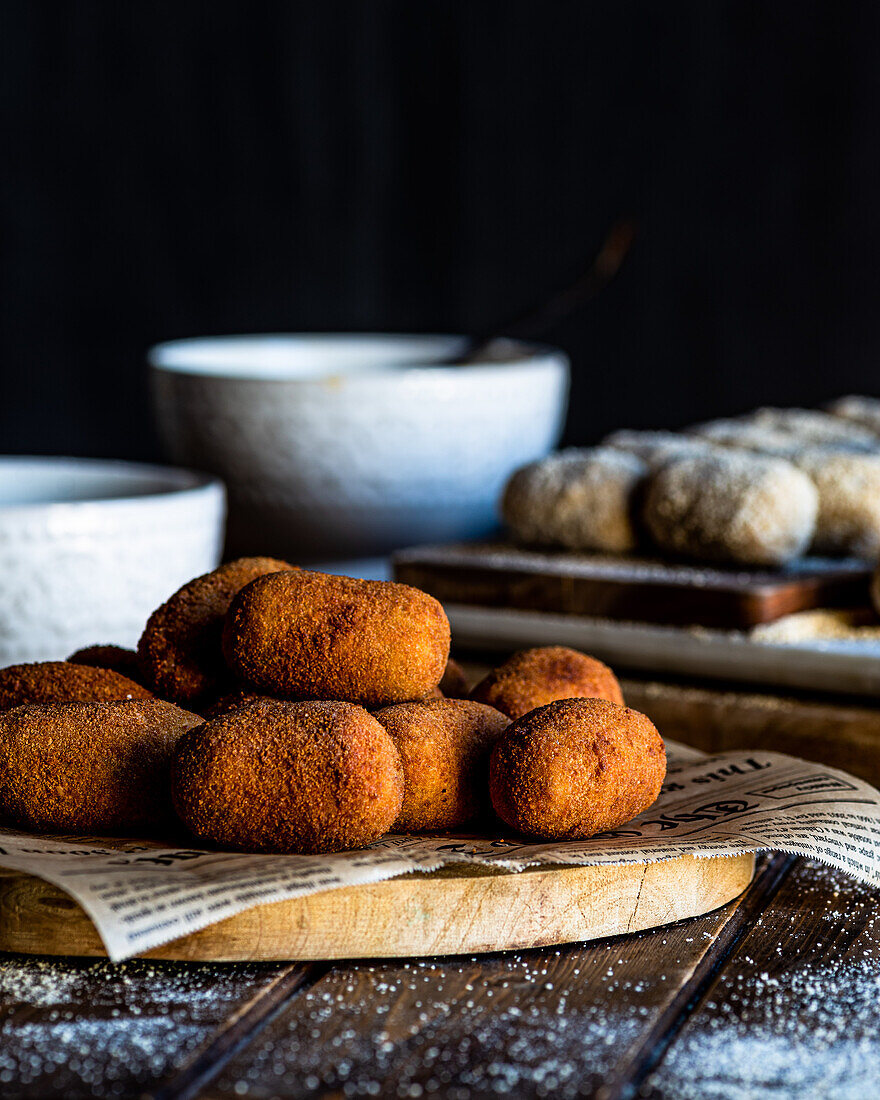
<point x="142" y="894"/>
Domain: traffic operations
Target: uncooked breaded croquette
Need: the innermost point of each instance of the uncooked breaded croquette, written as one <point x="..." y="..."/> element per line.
<point x="316" y="636"/>
<point x="814" y="427"/>
<point x="846" y="479"/>
<point x="749" y="435"/>
<point x="444" y="747"/>
<point x="454" y="682"/>
<point x="90" y="767"/>
<point x="533" y="677"/>
<point x="655" y="448"/>
<point x="731" y="506"/>
<point x="581" y="499"/>
<point x="289" y="777"/>
<point x="848" y="490"/>
<point x="575" y="768"/>
<point x="62" y="682"/>
<point x="179" y="649"/>
<point x="864" y="411"/>
<point x="114" y="657"/>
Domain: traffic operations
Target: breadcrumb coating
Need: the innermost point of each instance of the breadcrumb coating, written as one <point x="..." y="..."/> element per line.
<point x="114" y="657"/>
<point x="813" y="426"/>
<point x="453" y="685"/>
<point x="90" y="767"/>
<point x="848" y="488"/>
<point x="289" y="777"/>
<point x="180" y="649"/>
<point x="731" y="506"/>
<point x="846" y="477"/>
<point x="582" y="499"/>
<point x="864" y="411"/>
<point x="575" y="768"/>
<point x="444" y="747"/>
<point x="62" y="682"/>
<point x="531" y="678"/>
<point x="655" y="448"/>
<point x="317" y="636"/>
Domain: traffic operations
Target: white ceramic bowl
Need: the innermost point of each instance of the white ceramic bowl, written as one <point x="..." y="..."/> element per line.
<point x="340" y="447"/>
<point x="88" y="548"/>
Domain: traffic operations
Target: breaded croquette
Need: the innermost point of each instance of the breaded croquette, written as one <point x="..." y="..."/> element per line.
<point x="62" y="682"/>
<point x="316" y="636"/>
<point x="863" y="411"/>
<point x="454" y="682"/>
<point x="533" y="677"/>
<point x="179" y="649"/>
<point x="89" y="767"/>
<point x="289" y="777"/>
<point x="575" y="768"/>
<point x="234" y="700"/>
<point x="114" y="657"/>
<point x="582" y="499"/>
<point x="731" y="506"/>
<point x="444" y="747"/>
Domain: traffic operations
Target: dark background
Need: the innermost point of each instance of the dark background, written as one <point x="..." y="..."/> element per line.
<point x="175" y="169"/>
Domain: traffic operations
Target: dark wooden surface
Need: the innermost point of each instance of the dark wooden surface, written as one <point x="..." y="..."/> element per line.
<point x="628" y="588"/>
<point x="777" y="993"/>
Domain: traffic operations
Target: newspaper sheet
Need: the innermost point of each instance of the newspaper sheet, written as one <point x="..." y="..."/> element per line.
<point x="141" y="894"/>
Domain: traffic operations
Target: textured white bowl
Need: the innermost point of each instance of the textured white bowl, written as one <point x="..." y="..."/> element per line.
<point x="338" y="447"/>
<point x="88" y="548"/>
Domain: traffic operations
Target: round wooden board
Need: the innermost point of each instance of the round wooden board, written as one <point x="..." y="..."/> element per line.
<point x="457" y="910"/>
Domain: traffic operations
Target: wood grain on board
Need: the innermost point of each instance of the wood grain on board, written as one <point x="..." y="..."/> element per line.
<point x="629" y="589"/>
<point x="456" y="910"/>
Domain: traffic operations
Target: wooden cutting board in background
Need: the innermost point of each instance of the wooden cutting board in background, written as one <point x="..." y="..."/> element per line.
<point x="631" y="589"/>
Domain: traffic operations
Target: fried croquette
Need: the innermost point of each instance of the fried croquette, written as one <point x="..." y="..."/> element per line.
<point x="289" y="777"/>
<point x="454" y="682"/>
<point x="63" y="682"/>
<point x="444" y="747"/>
<point x="533" y="677"/>
<point x="179" y="649"/>
<point x="582" y="499"/>
<point x="89" y="767"/>
<point x="114" y="657"/>
<point x="316" y="636"/>
<point x="575" y="768"/>
<point x="732" y="507"/>
<point x="234" y="700"/>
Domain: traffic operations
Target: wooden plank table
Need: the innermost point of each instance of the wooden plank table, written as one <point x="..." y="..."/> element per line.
<point x="776" y="992"/>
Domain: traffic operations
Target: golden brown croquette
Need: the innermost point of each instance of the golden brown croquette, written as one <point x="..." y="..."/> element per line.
<point x="62" y="682"/>
<point x="316" y="636"/>
<point x="533" y="677"/>
<point x="114" y="657"/>
<point x="454" y="682"/>
<point x="444" y="747"/>
<point x="575" y="768"/>
<point x="289" y="777"/>
<point x="179" y="649"/>
<point x="89" y="767"/>
<point x="234" y="700"/>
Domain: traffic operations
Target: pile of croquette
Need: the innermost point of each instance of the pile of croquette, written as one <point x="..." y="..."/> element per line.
<point x="270" y="708"/>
